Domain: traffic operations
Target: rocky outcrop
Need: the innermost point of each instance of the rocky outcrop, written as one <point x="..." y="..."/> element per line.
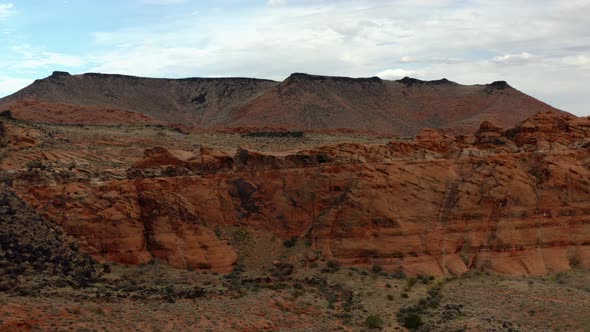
<point x="549" y="131"/>
<point x="436" y="205"/>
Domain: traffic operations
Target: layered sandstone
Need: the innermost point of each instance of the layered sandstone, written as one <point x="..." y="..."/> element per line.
<point x="509" y="201"/>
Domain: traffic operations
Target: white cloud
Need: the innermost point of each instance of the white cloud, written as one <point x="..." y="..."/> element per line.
<point x="9" y="85"/>
<point x="46" y="59"/>
<point x="32" y="58"/>
<point x="514" y="58"/>
<point x="276" y="3"/>
<point x="465" y="41"/>
<point x="407" y="58"/>
<point x="6" y="9"/>
<point x="577" y="60"/>
<point x="391" y="74"/>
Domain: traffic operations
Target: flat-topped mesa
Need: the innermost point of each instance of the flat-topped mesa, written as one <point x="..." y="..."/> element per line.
<point x="302" y="102"/>
<point x="186" y="79"/>
<point x="60" y="74"/>
<point x="497" y="85"/>
<point x="295" y="77"/>
<point x="409" y="81"/>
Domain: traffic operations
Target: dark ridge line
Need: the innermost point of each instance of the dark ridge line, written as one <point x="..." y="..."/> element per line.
<point x="60" y="74"/>
<point x="310" y="77"/>
<point x="407" y="81"/>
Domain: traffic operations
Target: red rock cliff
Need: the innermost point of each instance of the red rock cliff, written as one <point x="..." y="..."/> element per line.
<point x="511" y="202"/>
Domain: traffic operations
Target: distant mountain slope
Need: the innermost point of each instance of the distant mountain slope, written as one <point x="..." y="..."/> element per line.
<point x="301" y="102"/>
<point x="400" y="107"/>
<point x="195" y="101"/>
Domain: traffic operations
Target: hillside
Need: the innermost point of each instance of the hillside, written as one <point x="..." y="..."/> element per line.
<point x="301" y="102"/>
<point x="194" y="101"/>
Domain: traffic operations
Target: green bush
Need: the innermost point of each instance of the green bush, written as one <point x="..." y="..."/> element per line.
<point x="412" y="321"/>
<point x="376" y="268"/>
<point x="217" y="231"/>
<point x="290" y="242"/>
<point x="374" y="322"/>
<point x="333" y="265"/>
<point x="34" y="164"/>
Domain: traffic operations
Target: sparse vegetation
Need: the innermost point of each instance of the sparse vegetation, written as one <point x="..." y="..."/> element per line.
<point x="291" y="242"/>
<point x="34" y="164"/>
<point x="376" y="268"/>
<point x="374" y="322"/>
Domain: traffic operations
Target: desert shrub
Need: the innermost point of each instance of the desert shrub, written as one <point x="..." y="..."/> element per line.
<point x="289" y="243"/>
<point x="374" y="322"/>
<point x="217" y="231"/>
<point x="390" y="297"/>
<point x="282" y="269"/>
<point x="376" y="268"/>
<point x="332" y="266"/>
<point x="34" y="164"/>
<point x="398" y="275"/>
<point x="411" y="282"/>
<point x="6" y="178"/>
<point x="411" y="321"/>
<point x="424" y="279"/>
<point x="574" y="262"/>
<point x="6" y="114"/>
<point x="240" y="236"/>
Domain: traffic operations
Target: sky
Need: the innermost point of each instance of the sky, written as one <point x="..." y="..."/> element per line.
<point x="540" y="47"/>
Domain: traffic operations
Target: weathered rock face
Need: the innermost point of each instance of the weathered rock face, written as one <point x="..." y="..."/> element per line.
<point x="437" y="205"/>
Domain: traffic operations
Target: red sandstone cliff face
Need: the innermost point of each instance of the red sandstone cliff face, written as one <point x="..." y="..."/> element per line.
<point x="511" y="202"/>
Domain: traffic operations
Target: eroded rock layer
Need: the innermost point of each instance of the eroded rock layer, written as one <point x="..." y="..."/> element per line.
<point x="509" y="201"/>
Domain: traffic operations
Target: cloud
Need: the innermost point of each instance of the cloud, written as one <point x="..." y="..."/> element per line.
<point x="33" y="58"/>
<point x="6" y="10"/>
<point x="10" y="85"/>
<point x="276" y="3"/>
<point x="47" y="59"/>
<point x="520" y="59"/>
<point x="399" y="73"/>
<point x="465" y="41"/>
<point x="577" y="60"/>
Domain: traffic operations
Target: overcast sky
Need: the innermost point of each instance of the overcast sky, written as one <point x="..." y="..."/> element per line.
<point x="541" y="47"/>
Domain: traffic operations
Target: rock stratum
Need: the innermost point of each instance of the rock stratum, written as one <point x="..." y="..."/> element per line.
<point x="510" y="201"/>
<point x="301" y="102"/>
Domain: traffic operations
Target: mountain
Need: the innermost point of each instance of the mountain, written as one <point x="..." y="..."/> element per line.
<point x="194" y="101"/>
<point x="301" y="102"/>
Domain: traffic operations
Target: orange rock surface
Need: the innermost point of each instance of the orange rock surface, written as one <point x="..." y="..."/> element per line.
<point x="509" y="201"/>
